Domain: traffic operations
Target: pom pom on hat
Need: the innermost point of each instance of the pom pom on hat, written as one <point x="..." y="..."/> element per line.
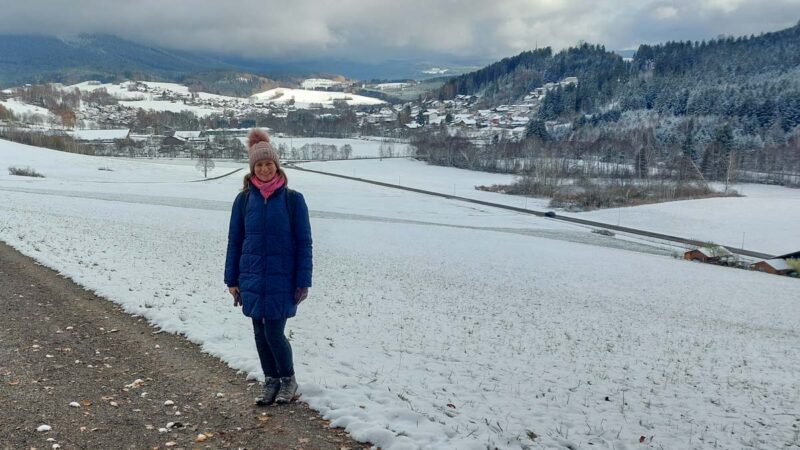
<point x="259" y="147"/>
<point x="257" y="135"/>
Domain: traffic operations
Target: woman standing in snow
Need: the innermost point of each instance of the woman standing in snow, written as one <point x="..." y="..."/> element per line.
<point x="268" y="263"/>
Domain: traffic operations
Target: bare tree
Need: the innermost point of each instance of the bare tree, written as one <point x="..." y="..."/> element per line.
<point x="386" y="150"/>
<point x="346" y="150"/>
<point x="204" y="162"/>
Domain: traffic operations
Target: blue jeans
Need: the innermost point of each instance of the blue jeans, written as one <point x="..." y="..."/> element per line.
<point x="274" y="349"/>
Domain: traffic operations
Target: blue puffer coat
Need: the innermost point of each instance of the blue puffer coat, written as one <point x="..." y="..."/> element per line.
<point x="268" y="254"/>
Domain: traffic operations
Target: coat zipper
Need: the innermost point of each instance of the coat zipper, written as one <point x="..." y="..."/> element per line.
<point x="264" y="274"/>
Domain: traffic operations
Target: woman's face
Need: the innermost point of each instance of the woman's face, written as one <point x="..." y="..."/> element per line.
<point x="265" y="170"/>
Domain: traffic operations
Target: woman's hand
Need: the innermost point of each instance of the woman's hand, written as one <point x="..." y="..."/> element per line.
<point x="237" y="299"/>
<point x="300" y="294"/>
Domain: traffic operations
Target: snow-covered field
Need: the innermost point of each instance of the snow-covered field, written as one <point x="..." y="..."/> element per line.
<point x="434" y="324"/>
<point x="166" y="105"/>
<point x="445" y="180"/>
<point x="303" y="98"/>
<point x="763" y="219"/>
<point x="316" y="83"/>
<point x="391" y="86"/>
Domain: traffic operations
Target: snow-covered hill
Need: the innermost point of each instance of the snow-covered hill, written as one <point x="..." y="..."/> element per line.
<point x="146" y="90"/>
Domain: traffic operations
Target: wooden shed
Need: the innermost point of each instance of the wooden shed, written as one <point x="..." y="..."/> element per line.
<point x="712" y="254"/>
<point x="775" y="266"/>
<point x="695" y="255"/>
<point x="173" y="141"/>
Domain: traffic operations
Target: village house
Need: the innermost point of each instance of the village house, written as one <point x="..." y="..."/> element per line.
<point x="182" y="143"/>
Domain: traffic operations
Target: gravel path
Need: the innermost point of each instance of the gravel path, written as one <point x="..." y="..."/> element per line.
<point x="132" y="387"/>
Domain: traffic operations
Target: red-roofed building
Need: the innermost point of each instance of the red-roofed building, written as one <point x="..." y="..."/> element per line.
<point x="775" y="266"/>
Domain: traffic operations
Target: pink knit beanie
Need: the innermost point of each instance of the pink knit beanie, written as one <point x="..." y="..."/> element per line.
<point x="259" y="148"/>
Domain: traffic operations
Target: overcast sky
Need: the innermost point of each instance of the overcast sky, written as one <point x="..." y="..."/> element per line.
<point x="375" y="30"/>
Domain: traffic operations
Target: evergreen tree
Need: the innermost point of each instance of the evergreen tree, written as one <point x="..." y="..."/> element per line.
<point x="716" y="158"/>
<point x="536" y="129"/>
<point x="421" y="117"/>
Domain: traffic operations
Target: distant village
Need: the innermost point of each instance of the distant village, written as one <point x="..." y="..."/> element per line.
<point x="101" y="125"/>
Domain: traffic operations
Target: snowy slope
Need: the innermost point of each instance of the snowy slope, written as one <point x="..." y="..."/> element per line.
<point x="21" y="108"/>
<point x="761" y="220"/>
<point x="434" y="324"/>
<point x="122" y="91"/>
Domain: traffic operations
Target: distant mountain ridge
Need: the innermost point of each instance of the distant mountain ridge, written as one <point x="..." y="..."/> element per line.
<point x="33" y="59"/>
<point x="385" y="70"/>
<point x="29" y="58"/>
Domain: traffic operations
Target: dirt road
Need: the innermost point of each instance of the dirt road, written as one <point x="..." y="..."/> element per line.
<point x="129" y="385"/>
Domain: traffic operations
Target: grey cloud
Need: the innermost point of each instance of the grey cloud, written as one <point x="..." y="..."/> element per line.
<point x="379" y="29"/>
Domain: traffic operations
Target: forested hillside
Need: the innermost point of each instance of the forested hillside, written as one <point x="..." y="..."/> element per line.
<point x="731" y="102"/>
<point x="508" y="80"/>
<point x="755" y="78"/>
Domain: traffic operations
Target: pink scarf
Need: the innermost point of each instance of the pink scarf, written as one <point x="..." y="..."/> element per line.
<point x="267" y="188"/>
